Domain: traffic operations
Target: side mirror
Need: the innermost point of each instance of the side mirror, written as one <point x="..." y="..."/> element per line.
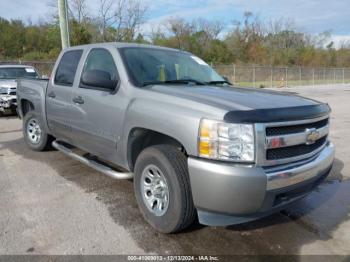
<point x="225" y="77"/>
<point x="98" y="79"/>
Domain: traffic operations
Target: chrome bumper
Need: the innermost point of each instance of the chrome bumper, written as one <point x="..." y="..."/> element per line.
<point x="293" y="175"/>
<point x="226" y="193"/>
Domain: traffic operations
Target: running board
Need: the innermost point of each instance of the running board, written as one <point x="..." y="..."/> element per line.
<point x="91" y="163"/>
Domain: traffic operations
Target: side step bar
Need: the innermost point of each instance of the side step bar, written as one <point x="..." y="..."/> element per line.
<point x="91" y="163"/>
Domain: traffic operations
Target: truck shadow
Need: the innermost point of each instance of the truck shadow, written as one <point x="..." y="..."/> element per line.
<point x="282" y="233"/>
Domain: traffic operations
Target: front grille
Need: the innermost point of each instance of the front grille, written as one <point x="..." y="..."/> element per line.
<point x="293" y="151"/>
<point x="285" y="130"/>
<point x="291" y="141"/>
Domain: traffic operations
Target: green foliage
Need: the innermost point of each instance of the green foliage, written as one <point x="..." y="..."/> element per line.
<point x="79" y="34"/>
<point x="12" y="38"/>
<point x="34" y="56"/>
<point x="248" y="42"/>
<point x="18" y="41"/>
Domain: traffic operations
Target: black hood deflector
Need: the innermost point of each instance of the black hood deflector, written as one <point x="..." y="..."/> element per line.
<point x="277" y="114"/>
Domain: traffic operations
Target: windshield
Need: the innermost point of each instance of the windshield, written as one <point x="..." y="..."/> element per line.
<point x="17" y="72"/>
<point x="157" y="66"/>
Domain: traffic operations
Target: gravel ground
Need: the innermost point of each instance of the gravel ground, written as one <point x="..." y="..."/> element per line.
<point x="50" y="204"/>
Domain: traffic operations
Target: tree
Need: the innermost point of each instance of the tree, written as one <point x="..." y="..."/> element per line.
<point x="246" y="39"/>
<point x="78" y="10"/>
<point x="197" y="36"/>
<point x="105" y="17"/>
<point x="120" y="20"/>
<point x="79" y="34"/>
<point x="181" y="30"/>
<point x="12" y="38"/>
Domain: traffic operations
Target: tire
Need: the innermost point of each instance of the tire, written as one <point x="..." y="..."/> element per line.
<point x="44" y="141"/>
<point x="179" y="213"/>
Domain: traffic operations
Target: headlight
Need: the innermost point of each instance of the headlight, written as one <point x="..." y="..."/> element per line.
<point x="225" y="141"/>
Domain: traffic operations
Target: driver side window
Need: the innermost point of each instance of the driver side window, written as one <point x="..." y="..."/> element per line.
<point x="100" y="59"/>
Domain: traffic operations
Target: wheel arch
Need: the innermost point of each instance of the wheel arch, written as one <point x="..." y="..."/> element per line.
<point x="140" y="138"/>
<point x="26" y="106"/>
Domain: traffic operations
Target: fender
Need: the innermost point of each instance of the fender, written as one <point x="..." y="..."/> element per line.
<point x="162" y="118"/>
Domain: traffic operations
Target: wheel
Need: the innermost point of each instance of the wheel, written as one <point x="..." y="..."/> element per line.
<point x="34" y="134"/>
<point x="162" y="188"/>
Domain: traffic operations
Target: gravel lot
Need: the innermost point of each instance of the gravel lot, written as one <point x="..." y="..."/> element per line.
<point x="50" y="204"/>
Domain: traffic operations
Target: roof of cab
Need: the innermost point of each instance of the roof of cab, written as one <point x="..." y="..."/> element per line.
<point x="15" y="66"/>
<point x="122" y="45"/>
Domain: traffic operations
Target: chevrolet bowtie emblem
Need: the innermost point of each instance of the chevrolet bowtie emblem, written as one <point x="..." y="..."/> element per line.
<point x="311" y="136"/>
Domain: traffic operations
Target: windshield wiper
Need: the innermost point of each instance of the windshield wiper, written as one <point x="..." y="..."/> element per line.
<point x="218" y="82"/>
<point x="174" y="81"/>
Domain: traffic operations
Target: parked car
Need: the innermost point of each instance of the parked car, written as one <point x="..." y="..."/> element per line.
<point x="193" y="144"/>
<point x="8" y="84"/>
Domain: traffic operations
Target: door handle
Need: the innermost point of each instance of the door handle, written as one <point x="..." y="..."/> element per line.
<point x="51" y="94"/>
<point x="78" y="100"/>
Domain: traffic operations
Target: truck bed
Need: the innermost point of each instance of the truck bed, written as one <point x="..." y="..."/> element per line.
<point x="33" y="90"/>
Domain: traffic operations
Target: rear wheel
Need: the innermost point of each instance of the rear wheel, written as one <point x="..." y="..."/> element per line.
<point x="163" y="189"/>
<point x="34" y="134"/>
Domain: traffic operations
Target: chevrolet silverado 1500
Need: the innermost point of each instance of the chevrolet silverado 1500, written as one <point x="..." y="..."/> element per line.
<point x="195" y="145"/>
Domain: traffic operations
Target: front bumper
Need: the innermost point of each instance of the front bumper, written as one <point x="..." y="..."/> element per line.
<point x="226" y="194"/>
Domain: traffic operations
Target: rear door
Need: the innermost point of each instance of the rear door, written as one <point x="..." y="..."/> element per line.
<point x="59" y="95"/>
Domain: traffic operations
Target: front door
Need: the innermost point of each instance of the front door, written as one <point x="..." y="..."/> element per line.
<point x="97" y="112"/>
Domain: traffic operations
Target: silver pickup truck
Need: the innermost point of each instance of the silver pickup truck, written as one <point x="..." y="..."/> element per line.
<point x="195" y="145"/>
<point x="8" y="85"/>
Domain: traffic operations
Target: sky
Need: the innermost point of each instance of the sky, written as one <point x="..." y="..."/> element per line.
<point x="311" y="16"/>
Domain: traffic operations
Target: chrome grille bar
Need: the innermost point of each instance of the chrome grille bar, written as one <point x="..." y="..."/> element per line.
<point x="264" y="143"/>
<point x="293" y="139"/>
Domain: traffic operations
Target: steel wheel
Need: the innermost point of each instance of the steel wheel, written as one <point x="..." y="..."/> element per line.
<point x="154" y="190"/>
<point x="34" y="131"/>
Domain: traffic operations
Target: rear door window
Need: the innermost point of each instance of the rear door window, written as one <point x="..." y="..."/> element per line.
<point x="67" y="68"/>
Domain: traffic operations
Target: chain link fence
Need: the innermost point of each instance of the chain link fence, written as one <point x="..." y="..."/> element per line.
<point x="44" y="68"/>
<point x="267" y="76"/>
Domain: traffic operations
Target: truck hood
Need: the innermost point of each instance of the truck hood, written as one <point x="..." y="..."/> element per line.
<point x="249" y="104"/>
<point x="8" y="83"/>
<point x="7" y="87"/>
<point x="234" y="98"/>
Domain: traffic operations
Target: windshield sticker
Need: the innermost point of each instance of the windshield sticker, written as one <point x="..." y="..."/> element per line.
<point x="198" y="60"/>
<point x="30" y="70"/>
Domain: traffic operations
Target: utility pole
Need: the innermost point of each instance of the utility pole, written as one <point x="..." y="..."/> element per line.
<point x="63" y="18"/>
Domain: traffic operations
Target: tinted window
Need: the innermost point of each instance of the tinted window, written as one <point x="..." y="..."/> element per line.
<point x="67" y="68"/>
<point x="101" y="59"/>
<point x="17" y="72"/>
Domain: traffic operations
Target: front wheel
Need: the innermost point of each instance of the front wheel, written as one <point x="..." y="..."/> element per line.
<point x="34" y="133"/>
<point x="162" y="188"/>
